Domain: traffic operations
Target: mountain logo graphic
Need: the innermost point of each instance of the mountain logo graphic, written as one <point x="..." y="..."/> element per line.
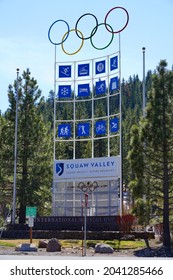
<point x="59" y="168"/>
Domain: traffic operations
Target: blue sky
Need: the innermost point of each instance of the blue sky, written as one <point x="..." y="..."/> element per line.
<point x="24" y="40"/>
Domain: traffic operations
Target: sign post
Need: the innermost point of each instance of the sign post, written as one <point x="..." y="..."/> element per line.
<point x="30" y="224"/>
<point x="30" y="215"/>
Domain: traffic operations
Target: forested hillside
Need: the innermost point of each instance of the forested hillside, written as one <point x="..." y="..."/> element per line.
<point x="35" y="144"/>
<point x="35" y="140"/>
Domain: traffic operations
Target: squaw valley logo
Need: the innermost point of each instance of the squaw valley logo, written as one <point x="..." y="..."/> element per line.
<point x="59" y="168"/>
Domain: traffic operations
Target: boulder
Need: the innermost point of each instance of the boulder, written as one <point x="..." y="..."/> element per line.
<point x="103" y="248"/>
<point x="42" y="243"/>
<point x="53" y="245"/>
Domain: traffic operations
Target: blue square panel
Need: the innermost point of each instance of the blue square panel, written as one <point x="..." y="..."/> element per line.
<point x="114" y="83"/>
<point x="83" y="90"/>
<point x="64" y="91"/>
<point x="83" y="129"/>
<point x="64" y="130"/>
<point x="114" y="63"/>
<point x="114" y="125"/>
<point x="100" y="67"/>
<point x="100" y="87"/>
<point x="100" y="127"/>
<point x="83" y="70"/>
<point x="64" y="71"/>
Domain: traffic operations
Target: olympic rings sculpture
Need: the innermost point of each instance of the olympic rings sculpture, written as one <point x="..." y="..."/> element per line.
<point x="93" y="32"/>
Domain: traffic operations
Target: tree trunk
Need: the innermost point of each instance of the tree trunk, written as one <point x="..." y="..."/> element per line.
<point x="22" y="212"/>
<point x="166" y="227"/>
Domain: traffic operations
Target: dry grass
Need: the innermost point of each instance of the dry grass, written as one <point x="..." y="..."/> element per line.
<point x="15" y="242"/>
<point x="78" y="243"/>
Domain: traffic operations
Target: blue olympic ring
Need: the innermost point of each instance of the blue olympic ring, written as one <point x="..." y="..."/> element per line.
<point x="65" y="36"/>
<point x="93" y="32"/>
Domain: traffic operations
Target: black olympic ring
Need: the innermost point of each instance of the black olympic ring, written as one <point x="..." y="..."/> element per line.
<point x="89" y="186"/>
<point x="93" y="32"/>
<point x="76" y="29"/>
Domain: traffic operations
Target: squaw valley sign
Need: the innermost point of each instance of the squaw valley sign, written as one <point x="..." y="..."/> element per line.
<point x="88" y="169"/>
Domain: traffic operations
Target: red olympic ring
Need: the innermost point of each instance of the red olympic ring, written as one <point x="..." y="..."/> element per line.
<point x="123" y="26"/>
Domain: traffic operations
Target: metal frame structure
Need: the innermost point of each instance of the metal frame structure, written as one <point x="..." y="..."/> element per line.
<point x="68" y="195"/>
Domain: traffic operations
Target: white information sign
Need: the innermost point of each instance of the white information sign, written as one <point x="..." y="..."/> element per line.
<point x="104" y="168"/>
<point x="30" y="221"/>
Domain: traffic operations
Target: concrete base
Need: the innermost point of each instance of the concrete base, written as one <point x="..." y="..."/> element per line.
<point x="26" y="247"/>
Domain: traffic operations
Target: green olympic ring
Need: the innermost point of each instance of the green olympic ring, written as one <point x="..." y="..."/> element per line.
<point x="93" y="31"/>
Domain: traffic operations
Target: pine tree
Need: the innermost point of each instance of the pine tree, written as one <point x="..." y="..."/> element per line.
<point x="5" y="167"/>
<point x="34" y="147"/>
<point x="46" y="108"/>
<point x="151" y="152"/>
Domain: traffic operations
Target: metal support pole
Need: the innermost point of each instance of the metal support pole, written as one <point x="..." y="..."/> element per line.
<point x="15" y="152"/>
<point x="120" y="122"/>
<point x="30" y="234"/>
<point x="143" y="96"/>
<point x="143" y="87"/>
<point x="54" y="184"/>
<point x="85" y="215"/>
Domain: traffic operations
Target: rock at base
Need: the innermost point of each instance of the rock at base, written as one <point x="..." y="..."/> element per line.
<point x="103" y="248"/>
<point x="42" y="243"/>
<point x="53" y="245"/>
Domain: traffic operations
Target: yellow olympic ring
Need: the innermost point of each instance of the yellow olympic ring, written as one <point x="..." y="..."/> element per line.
<point x="82" y="37"/>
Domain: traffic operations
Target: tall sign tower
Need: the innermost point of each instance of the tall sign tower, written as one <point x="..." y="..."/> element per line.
<point x="87" y="128"/>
